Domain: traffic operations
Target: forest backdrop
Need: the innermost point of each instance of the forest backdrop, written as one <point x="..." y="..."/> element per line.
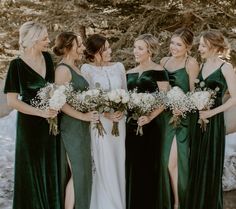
<point x="120" y="20"/>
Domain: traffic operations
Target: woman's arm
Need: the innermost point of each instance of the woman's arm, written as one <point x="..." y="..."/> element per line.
<point x="14" y="102"/>
<point x="63" y="76"/>
<point x="230" y="78"/>
<point x="193" y="70"/>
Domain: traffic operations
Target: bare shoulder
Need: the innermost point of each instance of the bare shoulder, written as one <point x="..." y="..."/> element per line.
<point x="192" y="62"/>
<point x="62" y="70"/>
<point x="157" y="67"/>
<point x="164" y="60"/>
<point x="227" y="69"/>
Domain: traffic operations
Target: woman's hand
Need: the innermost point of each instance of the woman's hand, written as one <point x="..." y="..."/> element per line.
<point x="92" y="116"/>
<point x="143" y="120"/>
<point x="206" y="114"/>
<point x="50" y="113"/>
<point x="116" y="116"/>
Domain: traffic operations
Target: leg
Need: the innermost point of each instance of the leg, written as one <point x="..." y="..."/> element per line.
<point x="69" y="194"/>
<point x="173" y="171"/>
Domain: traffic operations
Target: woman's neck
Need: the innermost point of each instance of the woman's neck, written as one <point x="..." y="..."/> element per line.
<point x="68" y="61"/>
<point x="213" y="59"/>
<point x="32" y="54"/>
<point x="146" y="64"/>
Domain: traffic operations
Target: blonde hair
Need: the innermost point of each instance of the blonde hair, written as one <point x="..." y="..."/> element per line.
<point x="29" y="33"/>
<point x="151" y="42"/>
<point x="215" y="39"/>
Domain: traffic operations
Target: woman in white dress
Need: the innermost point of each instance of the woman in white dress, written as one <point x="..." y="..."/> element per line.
<point x="108" y="151"/>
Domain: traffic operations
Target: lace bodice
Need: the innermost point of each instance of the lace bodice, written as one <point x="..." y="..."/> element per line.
<point x="109" y="77"/>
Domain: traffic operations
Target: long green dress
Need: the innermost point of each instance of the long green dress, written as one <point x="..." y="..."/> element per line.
<point x="207" y="154"/>
<point x="165" y="199"/>
<point x="141" y="151"/>
<point x="75" y="139"/>
<point x="36" y="160"/>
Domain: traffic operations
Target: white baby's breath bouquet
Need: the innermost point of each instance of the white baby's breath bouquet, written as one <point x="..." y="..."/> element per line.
<point x="116" y="100"/>
<point x="51" y="96"/>
<point x="179" y="103"/>
<point x="141" y="104"/>
<point x="203" y="98"/>
<point x="87" y="101"/>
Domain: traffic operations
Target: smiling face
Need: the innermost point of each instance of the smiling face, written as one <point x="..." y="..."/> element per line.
<point x="106" y="53"/>
<point x="141" y="52"/>
<point x="177" y="47"/>
<point x="43" y="41"/>
<point x="205" y="49"/>
<point x="77" y="50"/>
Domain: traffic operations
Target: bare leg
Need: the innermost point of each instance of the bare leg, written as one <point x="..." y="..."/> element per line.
<point x="70" y="196"/>
<point x="173" y="171"/>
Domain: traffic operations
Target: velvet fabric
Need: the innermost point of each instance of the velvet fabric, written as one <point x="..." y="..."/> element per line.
<point x="207" y="153"/>
<point x="143" y="152"/>
<point x="36" y="181"/>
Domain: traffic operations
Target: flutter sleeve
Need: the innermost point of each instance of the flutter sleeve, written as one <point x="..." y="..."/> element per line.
<point x="161" y="75"/>
<point x="12" y="84"/>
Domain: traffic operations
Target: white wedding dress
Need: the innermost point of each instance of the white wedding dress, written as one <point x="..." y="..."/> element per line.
<point x="108" y="188"/>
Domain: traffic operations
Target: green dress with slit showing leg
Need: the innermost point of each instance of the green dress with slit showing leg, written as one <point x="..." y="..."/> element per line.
<point x="165" y="199"/>
<point x="207" y="154"/>
<point x="36" y="181"/>
<point x="75" y="144"/>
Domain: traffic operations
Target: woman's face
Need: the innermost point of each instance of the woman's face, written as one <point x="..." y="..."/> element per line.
<point x="106" y="54"/>
<point x="205" y="50"/>
<point x="43" y="42"/>
<point x="141" y="53"/>
<point x="177" y="47"/>
<point x="77" y="50"/>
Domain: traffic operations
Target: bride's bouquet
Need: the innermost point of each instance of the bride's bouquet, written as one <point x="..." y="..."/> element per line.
<point x="51" y="96"/>
<point x="179" y="103"/>
<point x="116" y="100"/>
<point x="141" y="104"/>
<point x="203" y="98"/>
<point x="87" y="101"/>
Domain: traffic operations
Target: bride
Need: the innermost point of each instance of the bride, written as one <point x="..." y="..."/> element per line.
<point x="108" y="151"/>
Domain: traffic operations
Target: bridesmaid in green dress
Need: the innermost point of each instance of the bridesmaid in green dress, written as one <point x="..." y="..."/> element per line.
<point x="182" y="70"/>
<point x="141" y="151"/>
<point x="74" y="126"/>
<point x="36" y="182"/>
<point x="207" y="149"/>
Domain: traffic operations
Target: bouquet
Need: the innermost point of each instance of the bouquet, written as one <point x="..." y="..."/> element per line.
<point x="142" y="104"/>
<point x="86" y="101"/>
<point x="116" y="100"/>
<point x="179" y="103"/>
<point x="51" y="96"/>
<point x="203" y="98"/>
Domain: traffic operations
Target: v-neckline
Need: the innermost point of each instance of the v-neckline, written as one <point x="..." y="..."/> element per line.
<point x="209" y="74"/>
<point x="44" y="78"/>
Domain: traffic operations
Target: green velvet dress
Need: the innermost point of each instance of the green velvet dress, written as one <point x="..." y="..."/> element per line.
<point x="168" y="132"/>
<point x="36" y="160"/>
<point x="75" y="139"/>
<point x="207" y="154"/>
<point x="143" y="152"/>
